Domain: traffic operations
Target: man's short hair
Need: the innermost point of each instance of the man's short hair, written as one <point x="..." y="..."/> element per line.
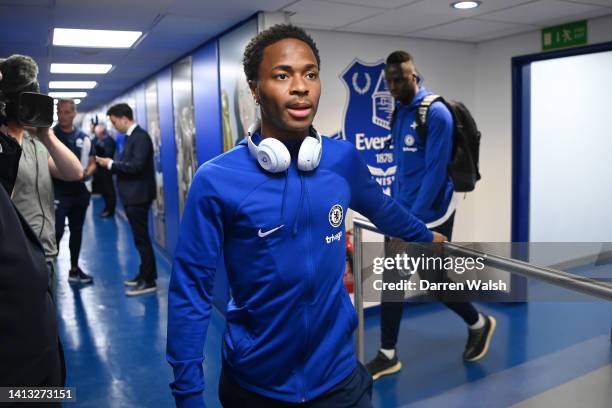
<point x="253" y="53"/>
<point x="120" y="110"/>
<point x="398" y="57"/>
<point x="19" y="73"/>
<point x="69" y="101"/>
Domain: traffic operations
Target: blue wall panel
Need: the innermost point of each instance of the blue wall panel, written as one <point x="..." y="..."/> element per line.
<point x="168" y="157"/>
<point x="209" y="133"/>
<point x="207" y="106"/>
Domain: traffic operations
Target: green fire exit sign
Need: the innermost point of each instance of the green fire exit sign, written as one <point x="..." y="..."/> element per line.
<point x="565" y="35"/>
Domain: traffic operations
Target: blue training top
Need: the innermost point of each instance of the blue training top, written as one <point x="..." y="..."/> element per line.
<point x="422" y="183"/>
<point x="290" y="320"/>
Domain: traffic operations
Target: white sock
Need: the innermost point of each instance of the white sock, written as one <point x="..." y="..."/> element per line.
<point x="388" y="353"/>
<point x="479" y="324"/>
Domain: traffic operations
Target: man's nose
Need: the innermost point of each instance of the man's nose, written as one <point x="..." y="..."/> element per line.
<point x="299" y="86"/>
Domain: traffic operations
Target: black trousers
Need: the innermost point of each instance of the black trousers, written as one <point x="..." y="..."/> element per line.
<point x="107" y="189"/>
<point x="138" y="216"/>
<point x="355" y="391"/>
<point x="391" y="310"/>
<point x="74" y="207"/>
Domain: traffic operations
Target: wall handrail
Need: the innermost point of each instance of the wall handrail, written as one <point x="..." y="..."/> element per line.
<point x="566" y="280"/>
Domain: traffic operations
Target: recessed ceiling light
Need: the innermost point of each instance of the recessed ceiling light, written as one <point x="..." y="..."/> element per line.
<point x="68" y="94"/>
<point x="70" y="37"/>
<point x="80" y="68"/>
<point x="72" y="84"/>
<point x="465" y="5"/>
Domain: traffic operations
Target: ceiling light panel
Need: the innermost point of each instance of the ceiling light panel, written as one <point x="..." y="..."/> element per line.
<point x="68" y="94"/>
<point x="80" y="68"/>
<point x="72" y="84"/>
<point x="70" y="37"/>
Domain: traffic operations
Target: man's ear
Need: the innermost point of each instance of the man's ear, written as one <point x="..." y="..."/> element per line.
<point x="254" y="90"/>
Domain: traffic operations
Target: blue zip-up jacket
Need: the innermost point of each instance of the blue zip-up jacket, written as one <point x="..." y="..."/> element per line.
<point x="422" y="183"/>
<point x="75" y="141"/>
<point x="290" y="321"/>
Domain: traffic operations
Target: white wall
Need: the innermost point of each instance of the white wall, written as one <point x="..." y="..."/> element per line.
<point x="486" y="214"/>
<point x="571" y="141"/>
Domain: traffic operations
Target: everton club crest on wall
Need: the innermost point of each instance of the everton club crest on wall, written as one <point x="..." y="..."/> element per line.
<point x="367" y="118"/>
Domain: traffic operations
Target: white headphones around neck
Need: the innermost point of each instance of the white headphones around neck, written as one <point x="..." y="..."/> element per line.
<point x="273" y="156"/>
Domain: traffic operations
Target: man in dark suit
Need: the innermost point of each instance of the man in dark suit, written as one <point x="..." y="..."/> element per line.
<point x="136" y="185"/>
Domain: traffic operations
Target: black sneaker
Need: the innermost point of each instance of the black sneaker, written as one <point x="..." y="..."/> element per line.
<point x="478" y="340"/>
<point x="142" y="288"/>
<point x="381" y="365"/>
<point x="78" y="276"/>
<point x="132" y="282"/>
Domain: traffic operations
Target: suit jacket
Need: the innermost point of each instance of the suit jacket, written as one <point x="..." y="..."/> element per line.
<point x="135" y="170"/>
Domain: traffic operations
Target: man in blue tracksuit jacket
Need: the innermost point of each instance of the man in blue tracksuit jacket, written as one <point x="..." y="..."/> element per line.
<point x="424" y="186"/>
<point x="274" y="208"/>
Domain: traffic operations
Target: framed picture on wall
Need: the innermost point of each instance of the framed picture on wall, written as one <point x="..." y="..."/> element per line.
<point x="238" y="109"/>
<point x="158" y="210"/>
<point x="184" y="127"/>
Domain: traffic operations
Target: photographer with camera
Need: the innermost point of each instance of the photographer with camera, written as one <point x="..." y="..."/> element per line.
<point x="30" y="351"/>
<point x="43" y="154"/>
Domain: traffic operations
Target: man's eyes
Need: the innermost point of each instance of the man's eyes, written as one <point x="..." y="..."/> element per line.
<point x="310" y="75"/>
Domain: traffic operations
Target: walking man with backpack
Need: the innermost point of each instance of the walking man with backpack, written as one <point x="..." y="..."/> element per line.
<point x="423" y="134"/>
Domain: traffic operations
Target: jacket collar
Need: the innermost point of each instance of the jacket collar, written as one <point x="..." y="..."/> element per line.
<point x="131" y="129"/>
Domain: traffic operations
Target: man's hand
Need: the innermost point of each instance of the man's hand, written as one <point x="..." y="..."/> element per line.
<point x="44" y="135"/>
<point x="103" y="161"/>
<point x="437" y="237"/>
<point x="397" y="246"/>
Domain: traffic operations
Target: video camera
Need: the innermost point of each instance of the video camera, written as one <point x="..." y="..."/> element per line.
<point x="20" y="99"/>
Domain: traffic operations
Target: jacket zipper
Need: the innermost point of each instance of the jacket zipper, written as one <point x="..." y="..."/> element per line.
<point x="308" y="294"/>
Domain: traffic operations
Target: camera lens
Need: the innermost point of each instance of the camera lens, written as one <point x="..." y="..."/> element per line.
<point x="35" y="109"/>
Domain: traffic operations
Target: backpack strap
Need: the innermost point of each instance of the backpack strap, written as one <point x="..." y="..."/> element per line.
<point x="393" y="118"/>
<point x="421" y="116"/>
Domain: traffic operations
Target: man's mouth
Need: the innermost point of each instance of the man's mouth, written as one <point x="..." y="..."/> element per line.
<point x="299" y="110"/>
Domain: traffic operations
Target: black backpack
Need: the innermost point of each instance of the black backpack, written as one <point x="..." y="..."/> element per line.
<point x="463" y="167"/>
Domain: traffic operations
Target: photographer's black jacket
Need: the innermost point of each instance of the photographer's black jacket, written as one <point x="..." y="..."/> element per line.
<point x="29" y="345"/>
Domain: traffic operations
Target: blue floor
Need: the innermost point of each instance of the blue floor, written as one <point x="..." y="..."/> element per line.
<point x="115" y="346"/>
